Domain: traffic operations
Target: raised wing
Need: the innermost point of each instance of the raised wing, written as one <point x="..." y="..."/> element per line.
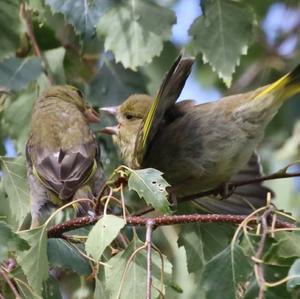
<point x="165" y="98"/>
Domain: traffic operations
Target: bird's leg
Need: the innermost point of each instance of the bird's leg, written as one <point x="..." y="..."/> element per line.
<point x="225" y="190"/>
<point x="172" y="196"/>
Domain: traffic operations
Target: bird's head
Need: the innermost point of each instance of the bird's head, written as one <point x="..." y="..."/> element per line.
<point x="129" y="116"/>
<point x="73" y="95"/>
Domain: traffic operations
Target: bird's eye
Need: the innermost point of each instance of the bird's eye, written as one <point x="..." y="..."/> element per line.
<point x="129" y="116"/>
<point x="79" y="93"/>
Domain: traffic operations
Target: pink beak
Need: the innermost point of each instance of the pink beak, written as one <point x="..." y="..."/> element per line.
<point x="110" y="110"/>
<point x="92" y="115"/>
<point x="110" y="130"/>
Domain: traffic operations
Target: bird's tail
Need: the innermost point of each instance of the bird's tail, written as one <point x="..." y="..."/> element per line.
<point x="287" y="85"/>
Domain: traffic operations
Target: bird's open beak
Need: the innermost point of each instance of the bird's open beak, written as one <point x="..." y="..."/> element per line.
<point x="110" y="130"/>
<point x="110" y="110"/>
<point x="92" y="115"/>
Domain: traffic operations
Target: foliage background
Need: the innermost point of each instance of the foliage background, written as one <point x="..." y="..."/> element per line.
<point x="111" y="49"/>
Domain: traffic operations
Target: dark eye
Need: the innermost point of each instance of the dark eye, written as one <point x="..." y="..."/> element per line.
<point x="129" y="116"/>
<point x="79" y="93"/>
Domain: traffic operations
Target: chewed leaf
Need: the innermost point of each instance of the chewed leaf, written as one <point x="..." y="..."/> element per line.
<point x="150" y="185"/>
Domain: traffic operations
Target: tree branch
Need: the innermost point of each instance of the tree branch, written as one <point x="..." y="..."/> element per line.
<point x="26" y="16"/>
<point x="59" y="229"/>
<point x="10" y="284"/>
<point x="258" y="267"/>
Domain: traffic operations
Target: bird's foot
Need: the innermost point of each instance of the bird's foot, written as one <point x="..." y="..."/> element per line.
<point x="172" y="197"/>
<point x="225" y="190"/>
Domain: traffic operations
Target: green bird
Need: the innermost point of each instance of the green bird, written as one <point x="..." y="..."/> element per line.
<point x="62" y="153"/>
<point x="200" y="147"/>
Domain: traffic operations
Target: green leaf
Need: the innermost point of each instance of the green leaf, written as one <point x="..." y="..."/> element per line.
<point x="17" y="117"/>
<point x="55" y="59"/>
<point x="225" y="274"/>
<point x="203" y="242"/>
<point x="102" y="234"/>
<point x="222" y="34"/>
<point x="114" y="84"/>
<point x="10" y="241"/>
<point x="150" y="185"/>
<point x="82" y="14"/>
<point x="15" y="185"/>
<point x="11" y="27"/>
<point x="34" y="261"/>
<point x="51" y="289"/>
<point x="138" y="31"/>
<point x="294" y="273"/>
<point x="134" y="285"/>
<point x="17" y="73"/>
<point x="64" y="255"/>
<point x="284" y="249"/>
<point x="100" y="290"/>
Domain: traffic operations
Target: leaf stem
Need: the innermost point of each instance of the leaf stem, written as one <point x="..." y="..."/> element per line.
<point x="149" y="230"/>
<point x="27" y="17"/>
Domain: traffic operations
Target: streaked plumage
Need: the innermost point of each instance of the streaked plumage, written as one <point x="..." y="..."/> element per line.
<point x="62" y="152"/>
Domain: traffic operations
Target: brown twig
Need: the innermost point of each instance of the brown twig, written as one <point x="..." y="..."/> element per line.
<point x="26" y="16"/>
<point x="59" y="229"/>
<point x="149" y="230"/>
<point x="258" y="267"/>
<point x="10" y="284"/>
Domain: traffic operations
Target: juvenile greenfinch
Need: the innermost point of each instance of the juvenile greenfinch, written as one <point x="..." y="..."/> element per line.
<point x="198" y="147"/>
<point x="62" y="153"/>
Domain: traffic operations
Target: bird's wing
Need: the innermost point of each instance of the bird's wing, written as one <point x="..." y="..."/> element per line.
<point x="61" y="171"/>
<point x="245" y="199"/>
<point x="165" y="98"/>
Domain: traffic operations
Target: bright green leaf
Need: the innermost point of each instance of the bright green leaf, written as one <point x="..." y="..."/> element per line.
<point x="15" y="185"/>
<point x="230" y="270"/>
<point x="82" y="14"/>
<point x="102" y="234"/>
<point x="17" y="73"/>
<point x="10" y="241"/>
<point x="34" y="261"/>
<point x="150" y="185"/>
<point x="55" y="59"/>
<point x="11" y="27"/>
<point x="222" y="34"/>
<point x="62" y="254"/>
<point x="135" y="30"/>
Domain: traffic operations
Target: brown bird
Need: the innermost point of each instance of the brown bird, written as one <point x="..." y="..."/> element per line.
<point x="62" y="152"/>
<point x="197" y="147"/>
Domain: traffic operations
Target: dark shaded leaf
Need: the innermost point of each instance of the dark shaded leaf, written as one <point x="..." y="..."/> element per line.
<point x="62" y="254"/>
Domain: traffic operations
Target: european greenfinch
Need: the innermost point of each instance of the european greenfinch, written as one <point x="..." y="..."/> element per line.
<point x="197" y="147"/>
<point x="63" y="156"/>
